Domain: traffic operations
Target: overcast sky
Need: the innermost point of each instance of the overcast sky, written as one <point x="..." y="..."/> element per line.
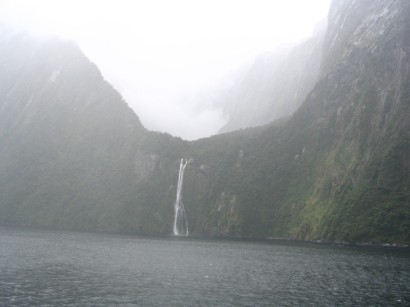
<point x="156" y="52"/>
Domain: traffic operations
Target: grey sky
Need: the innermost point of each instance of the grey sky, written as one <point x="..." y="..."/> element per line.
<point x="160" y="54"/>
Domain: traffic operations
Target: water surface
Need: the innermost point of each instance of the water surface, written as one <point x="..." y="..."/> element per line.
<point x="63" y="268"/>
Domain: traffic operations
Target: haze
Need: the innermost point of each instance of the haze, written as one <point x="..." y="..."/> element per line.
<point x="162" y="55"/>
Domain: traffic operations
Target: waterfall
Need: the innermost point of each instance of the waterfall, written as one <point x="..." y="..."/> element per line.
<point x="180" y="218"/>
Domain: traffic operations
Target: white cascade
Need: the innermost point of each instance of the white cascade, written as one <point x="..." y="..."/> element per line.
<point x="180" y="219"/>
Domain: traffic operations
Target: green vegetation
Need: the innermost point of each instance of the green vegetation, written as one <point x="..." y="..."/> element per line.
<point x="74" y="156"/>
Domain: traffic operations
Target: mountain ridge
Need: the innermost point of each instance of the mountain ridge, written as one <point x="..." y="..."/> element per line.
<point x="76" y="157"/>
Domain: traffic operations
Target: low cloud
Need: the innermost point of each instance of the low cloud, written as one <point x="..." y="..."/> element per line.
<point x="157" y="53"/>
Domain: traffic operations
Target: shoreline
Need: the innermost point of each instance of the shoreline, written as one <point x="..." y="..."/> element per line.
<point x="210" y="238"/>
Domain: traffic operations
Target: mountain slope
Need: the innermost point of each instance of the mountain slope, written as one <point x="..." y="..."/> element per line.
<point x="365" y="85"/>
<point x="62" y="130"/>
<point x="339" y="168"/>
<point x="74" y="156"/>
<point x="275" y="86"/>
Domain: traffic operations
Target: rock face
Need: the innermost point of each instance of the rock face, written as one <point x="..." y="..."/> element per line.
<point x="275" y="86"/>
<point x="74" y="156"/>
<point x="363" y="96"/>
<point x="338" y="169"/>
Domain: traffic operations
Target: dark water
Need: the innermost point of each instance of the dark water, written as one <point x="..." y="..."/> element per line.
<point x="51" y="269"/>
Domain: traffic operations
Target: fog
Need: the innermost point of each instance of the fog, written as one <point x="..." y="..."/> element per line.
<point x="164" y="56"/>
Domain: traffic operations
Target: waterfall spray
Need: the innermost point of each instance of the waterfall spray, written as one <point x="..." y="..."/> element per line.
<point x="180" y="218"/>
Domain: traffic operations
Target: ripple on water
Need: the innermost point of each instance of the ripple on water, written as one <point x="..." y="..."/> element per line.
<point x="45" y="268"/>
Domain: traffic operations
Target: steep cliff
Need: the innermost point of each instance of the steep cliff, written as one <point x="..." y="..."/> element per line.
<point x="338" y="169"/>
<point x="74" y="156"/>
<point x="363" y="188"/>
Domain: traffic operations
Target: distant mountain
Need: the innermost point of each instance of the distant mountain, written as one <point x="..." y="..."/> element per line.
<point x="74" y="156"/>
<point x="274" y="86"/>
